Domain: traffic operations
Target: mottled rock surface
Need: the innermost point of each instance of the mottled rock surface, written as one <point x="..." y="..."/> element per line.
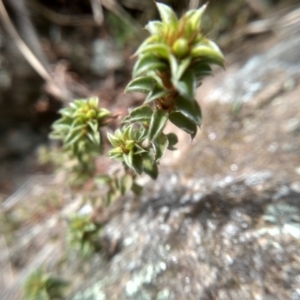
<point x="224" y="221"/>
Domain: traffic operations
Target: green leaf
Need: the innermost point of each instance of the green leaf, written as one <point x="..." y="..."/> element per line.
<point x="142" y="84"/>
<point x="126" y="183"/>
<point x="73" y="138"/>
<point x="178" y="119"/>
<point x="167" y="14"/>
<point x="173" y="140"/>
<point x="113" y="140"/>
<point x="157" y="93"/>
<point x="137" y="164"/>
<point x="66" y="112"/>
<point x="150" y="168"/>
<point x="146" y="63"/>
<point x="201" y="70"/>
<point x="209" y="52"/>
<point x="93" y="124"/>
<point x="184" y="64"/>
<point x="161" y="145"/>
<point x="190" y="109"/>
<point x="155" y="27"/>
<point x="137" y="189"/>
<point x="140" y="114"/>
<point x="94" y="138"/>
<point x="151" y="39"/>
<point x="159" y="49"/>
<point x="103" y="113"/>
<point x="128" y="159"/>
<point x="174" y="66"/>
<point x="102" y="179"/>
<point x="157" y="124"/>
<point x="186" y="86"/>
<point x="195" y="16"/>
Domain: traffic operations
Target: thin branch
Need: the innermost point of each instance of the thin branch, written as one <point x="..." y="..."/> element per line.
<point x="25" y="50"/>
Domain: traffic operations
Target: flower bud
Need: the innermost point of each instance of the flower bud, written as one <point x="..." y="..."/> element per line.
<point x="180" y="47"/>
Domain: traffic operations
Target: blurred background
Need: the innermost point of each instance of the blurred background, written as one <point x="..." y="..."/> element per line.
<point x="79" y="48"/>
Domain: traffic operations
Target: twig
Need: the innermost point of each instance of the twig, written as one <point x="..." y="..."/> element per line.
<point x="25" y="50"/>
<point x="97" y="11"/>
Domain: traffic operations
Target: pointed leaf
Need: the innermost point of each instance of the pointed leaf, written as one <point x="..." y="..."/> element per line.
<point x="156" y="93"/>
<point x="186" y="86"/>
<point x="173" y="140"/>
<point x="113" y="140"/>
<point x="155" y="27"/>
<point x="174" y="66"/>
<point x="167" y="14"/>
<point x="184" y="64"/>
<point x="137" y="189"/>
<point x="201" y="70"/>
<point x="183" y="123"/>
<point x="150" y="168"/>
<point x="142" y="84"/>
<point x="195" y="16"/>
<point x="157" y="124"/>
<point x="209" y="52"/>
<point x="150" y="40"/>
<point x="146" y="63"/>
<point x="137" y="164"/>
<point x="190" y="109"/>
<point x="161" y="145"/>
<point x="128" y="159"/>
<point x="140" y="114"/>
<point x="159" y="49"/>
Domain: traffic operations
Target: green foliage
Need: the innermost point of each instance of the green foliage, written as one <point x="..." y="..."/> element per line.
<point x="118" y="186"/>
<point x="79" y="130"/>
<point x="42" y="286"/>
<point x="84" y="235"/>
<point x="170" y="65"/>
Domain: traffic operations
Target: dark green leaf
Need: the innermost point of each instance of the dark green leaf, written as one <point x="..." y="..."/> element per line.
<point x="161" y="145"/>
<point x="157" y="124"/>
<point x="137" y="189"/>
<point x="156" y="93"/>
<point x="173" y="140"/>
<point x="93" y="124"/>
<point x="142" y="84"/>
<point x="190" y="109"/>
<point x="186" y="86"/>
<point x="140" y="114"/>
<point x="167" y="14"/>
<point x="146" y="63"/>
<point x="183" y="123"/>
<point x="137" y="164"/>
<point x="150" y="168"/>
<point x="201" y="70"/>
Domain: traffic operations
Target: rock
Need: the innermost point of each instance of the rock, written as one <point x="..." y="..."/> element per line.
<point x="231" y="239"/>
<point x="224" y="221"/>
